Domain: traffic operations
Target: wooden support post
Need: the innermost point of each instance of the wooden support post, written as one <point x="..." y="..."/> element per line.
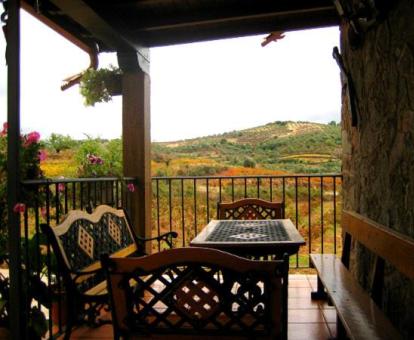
<point x="136" y="135"/>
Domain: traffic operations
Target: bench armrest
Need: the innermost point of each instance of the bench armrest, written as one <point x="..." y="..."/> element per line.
<point x="86" y="272"/>
<point x="166" y="237"/>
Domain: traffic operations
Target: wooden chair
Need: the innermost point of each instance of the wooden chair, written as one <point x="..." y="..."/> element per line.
<point x="78" y="243"/>
<point x="197" y="293"/>
<point x="250" y="209"/>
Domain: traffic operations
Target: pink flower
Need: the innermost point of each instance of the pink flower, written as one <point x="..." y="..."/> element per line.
<point x="5" y="128"/>
<point x="94" y="159"/>
<point x="32" y="138"/>
<point x="42" y="155"/>
<point x="19" y="208"/>
<point x="43" y="212"/>
<point x="131" y="187"/>
<point x="61" y="187"/>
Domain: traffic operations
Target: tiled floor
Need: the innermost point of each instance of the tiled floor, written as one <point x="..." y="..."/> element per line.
<point x="308" y="320"/>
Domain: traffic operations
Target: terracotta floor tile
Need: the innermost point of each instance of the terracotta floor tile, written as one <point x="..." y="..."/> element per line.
<point x="329" y="315"/>
<point x="302" y="303"/>
<point x="332" y="329"/>
<point x="325" y="305"/>
<point x="308" y="331"/>
<point x="299" y="292"/>
<point x="305" y="316"/>
<point x="293" y="277"/>
<point x="299" y="283"/>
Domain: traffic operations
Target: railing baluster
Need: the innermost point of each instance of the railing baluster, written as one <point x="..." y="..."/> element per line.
<point x="296" y="215"/>
<point x="158" y="211"/>
<point x="207" y="201"/>
<point x="195" y="204"/>
<point x="66" y="199"/>
<point x="271" y="189"/>
<point x="220" y="189"/>
<point x="309" y="216"/>
<point x="182" y="211"/>
<point x="57" y="194"/>
<point x="170" y="202"/>
<point x="232" y="189"/>
<point x="334" y="211"/>
<point x="73" y="195"/>
<point x="321" y="214"/>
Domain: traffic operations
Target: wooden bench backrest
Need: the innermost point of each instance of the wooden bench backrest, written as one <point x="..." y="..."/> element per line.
<point x="198" y="291"/>
<point x="250" y="209"/>
<point x="389" y="245"/>
<point x="82" y="238"/>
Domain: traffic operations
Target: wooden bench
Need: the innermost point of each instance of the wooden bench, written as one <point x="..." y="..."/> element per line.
<point x="250" y="209"/>
<point x="358" y="314"/>
<point x="78" y="243"/>
<point x="197" y="293"/>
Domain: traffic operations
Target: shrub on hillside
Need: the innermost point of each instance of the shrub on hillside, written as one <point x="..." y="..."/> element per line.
<point x="249" y="163"/>
<point x="96" y="159"/>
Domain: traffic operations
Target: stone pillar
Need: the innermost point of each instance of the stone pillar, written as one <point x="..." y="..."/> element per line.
<point x="136" y="134"/>
<point x="378" y="153"/>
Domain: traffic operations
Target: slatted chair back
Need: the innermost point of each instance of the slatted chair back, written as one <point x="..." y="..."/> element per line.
<point x="81" y="239"/>
<point x="250" y="209"/>
<point x="199" y="293"/>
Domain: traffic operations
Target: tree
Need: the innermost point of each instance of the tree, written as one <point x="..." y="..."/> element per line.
<point x="59" y="142"/>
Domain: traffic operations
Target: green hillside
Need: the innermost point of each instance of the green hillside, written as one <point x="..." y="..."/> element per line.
<point x="293" y="147"/>
<point x="299" y="147"/>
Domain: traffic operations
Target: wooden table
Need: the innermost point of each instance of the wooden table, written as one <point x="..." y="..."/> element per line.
<point x="251" y="237"/>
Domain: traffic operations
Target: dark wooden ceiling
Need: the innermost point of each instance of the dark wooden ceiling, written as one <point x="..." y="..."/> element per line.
<point x="130" y="24"/>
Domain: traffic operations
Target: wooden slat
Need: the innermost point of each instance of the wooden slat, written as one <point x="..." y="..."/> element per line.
<point x="99" y="289"/>
<point x="125" y="252"/>
<point x="392" y="246"/>
<point x="361" y="317"/>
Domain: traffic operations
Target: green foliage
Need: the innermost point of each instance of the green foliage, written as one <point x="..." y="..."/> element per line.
<point x="268" y="146"/>
<point x="249" y="163"/>
<point x="60" y="142"/>
<point x="30" y="154"/>
<point x="95" y="85"/>
<point x="96" y="158"/>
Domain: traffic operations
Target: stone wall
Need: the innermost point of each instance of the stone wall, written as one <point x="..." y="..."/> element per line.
<point x="378" y="154"/>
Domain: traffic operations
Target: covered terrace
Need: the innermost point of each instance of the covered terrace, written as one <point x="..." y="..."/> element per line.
<point x="377" y="67"/>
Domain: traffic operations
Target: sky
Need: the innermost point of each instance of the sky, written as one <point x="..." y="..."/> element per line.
<point x="196" y="89"/>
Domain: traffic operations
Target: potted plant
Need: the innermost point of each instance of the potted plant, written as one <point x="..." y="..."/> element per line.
<point x="100" y="85"/>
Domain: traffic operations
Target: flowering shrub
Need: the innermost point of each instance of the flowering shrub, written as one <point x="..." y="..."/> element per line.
<point x="98" y="159"/>
<point x="30" y="157"/>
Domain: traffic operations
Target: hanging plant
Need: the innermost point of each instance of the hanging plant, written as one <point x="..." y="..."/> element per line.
<point x="98" y="86"/>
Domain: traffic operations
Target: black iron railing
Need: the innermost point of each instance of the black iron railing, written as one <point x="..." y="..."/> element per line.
<point x="313" y="203"/>
<point x="181" y="204"/>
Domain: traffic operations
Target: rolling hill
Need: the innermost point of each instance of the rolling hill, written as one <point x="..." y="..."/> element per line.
<point x="299" y="147"/>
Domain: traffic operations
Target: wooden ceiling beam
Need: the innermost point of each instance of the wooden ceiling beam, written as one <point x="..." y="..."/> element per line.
<point x="238" y="20"/>
<point x="237" y="27"/>
<point x="85" y="16"/>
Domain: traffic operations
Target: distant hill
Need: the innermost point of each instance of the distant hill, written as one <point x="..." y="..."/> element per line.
<point x="300" y="147"/>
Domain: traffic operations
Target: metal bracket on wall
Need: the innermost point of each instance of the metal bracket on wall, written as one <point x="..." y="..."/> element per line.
<point x="362" y="16"/>
<point x="353" y="100"/>
<point x="3" y="18"/>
